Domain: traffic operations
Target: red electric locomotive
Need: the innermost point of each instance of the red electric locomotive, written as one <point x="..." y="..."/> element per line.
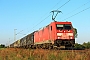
<point x="55" y="34"/>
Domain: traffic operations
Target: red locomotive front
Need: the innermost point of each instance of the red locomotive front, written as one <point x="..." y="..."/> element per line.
<point x="64" y="34"/>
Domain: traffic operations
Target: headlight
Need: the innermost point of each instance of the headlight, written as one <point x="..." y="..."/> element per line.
<point x="58" y="37"/>
<point x="71" y="37"/>
<point x="59" y="34"/>
<point x="70" y="34"/>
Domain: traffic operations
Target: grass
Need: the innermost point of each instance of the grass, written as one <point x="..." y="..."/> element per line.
<point x="2" y="48"/>
<point x="40" y="54"/>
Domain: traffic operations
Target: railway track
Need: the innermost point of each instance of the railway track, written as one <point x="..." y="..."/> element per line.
<point x="58" y="48"/>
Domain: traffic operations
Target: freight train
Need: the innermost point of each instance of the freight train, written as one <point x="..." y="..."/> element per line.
<point x="56" y="34"/>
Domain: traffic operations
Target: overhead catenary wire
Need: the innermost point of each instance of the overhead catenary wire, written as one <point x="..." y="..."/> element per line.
<point x="76" y="9"/>
<point x="57" y="4"/>
<point x="77" y="13"/>
<point x="64" y="4"/>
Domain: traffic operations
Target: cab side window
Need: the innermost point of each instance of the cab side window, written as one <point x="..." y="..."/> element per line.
<point x="51" y="28"/>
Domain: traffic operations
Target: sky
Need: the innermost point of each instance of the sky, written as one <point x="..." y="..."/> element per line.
<point x="22" y="17"/>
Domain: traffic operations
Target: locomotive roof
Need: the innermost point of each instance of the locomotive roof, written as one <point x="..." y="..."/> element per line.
<point x="56" y="23"/>
<point x="62" y="22"/>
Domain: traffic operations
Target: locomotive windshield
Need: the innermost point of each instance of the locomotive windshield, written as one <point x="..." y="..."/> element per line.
<point x="67" y="27"/>
<point x="59" y="27"/>
<point x="63" y="26"/>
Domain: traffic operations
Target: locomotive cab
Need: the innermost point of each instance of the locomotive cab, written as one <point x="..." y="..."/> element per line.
<point x="64" y="34"/>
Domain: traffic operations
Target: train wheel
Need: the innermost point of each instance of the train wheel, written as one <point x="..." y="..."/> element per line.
<point x="50" y="47"/>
